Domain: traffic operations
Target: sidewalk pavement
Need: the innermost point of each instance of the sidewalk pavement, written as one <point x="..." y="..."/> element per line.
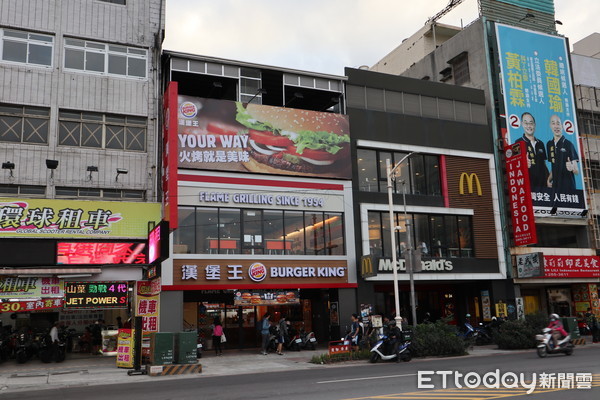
<point x="87" y="370"/>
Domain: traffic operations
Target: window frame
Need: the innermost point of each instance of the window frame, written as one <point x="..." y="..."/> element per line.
<point x="107" y="52"/>
<point x="23" y="115"/>
<point x="102" y="191"/>
<point x="105" y="122"/>
<point x="28" y="42"/>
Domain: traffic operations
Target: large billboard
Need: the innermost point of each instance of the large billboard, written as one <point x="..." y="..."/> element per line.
<point x="72" y="218"/>
<point x="540" y="111"/>
<point x="232" y="136"/>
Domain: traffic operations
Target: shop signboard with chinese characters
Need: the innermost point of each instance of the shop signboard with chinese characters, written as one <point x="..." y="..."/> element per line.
<point x="12" y="287"/>
<point x="266" y="297"/>
<point x="232" y="136"/>
<point x="530" y="265"/>
<point x="540" y="111"/>
<point x="267" y="274"/>
<point x="571" y="267"/>
<point x="43" y="218"/>
<point x="158" y="243"/>
<point x="521" y="207"/>
<point x="82" y="295"/>
<point x="147" y="304"/>
<point x="125" y="348"/>
<point x="31" y="305"/>
<point x="100" y="253"/>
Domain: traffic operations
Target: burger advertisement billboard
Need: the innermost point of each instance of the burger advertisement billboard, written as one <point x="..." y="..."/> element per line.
<point x="232" y="136"/>
<point x="266" y="297"/>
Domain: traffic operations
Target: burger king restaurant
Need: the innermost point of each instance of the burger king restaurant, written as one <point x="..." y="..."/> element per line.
<point x="254" y="230"/>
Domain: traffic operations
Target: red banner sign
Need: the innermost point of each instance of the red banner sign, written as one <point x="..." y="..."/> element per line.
<point x="571" y="267"/>
<point x="100" y="253"/>
<point x="521" y="205"/>
<point x="27" y="306"/>
<point x="169" y="173"/>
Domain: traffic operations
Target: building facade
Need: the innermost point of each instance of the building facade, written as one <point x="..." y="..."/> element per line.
<point x="78" y="145"/>
<point x="445" y="196"/>
<point x="260" y="199"/>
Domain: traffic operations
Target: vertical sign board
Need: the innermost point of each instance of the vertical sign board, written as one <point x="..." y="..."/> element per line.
<point x="486" y="303"/>
<point x="169" y="172"/>
<point x="158" y="243"/>
<point x="147" y="304"/>
<point x="125" y="348"/>
<point x="540" y="110"/>
<point x="521" y="207"/>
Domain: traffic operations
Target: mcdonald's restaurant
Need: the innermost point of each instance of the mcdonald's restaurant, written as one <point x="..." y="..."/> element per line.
<point x="426" y="192"/>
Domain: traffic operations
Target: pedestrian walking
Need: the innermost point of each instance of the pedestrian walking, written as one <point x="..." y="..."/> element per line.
<point x="217" y="334"/>
<point x="282" y="334"/>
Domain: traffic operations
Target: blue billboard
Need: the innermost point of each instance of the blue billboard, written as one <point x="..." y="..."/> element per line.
<point x="540" y="111"/>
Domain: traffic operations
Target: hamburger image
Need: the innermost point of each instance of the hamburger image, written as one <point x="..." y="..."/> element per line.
<point x="255" y="299"/>
<point x="290" y="296"/>
<point x="281" y="298"/>
<point x="246" y="297"/>
<point x="293" y="141"/>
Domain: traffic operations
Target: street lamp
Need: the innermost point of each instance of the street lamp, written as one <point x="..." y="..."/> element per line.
<point x="390" y="172"/>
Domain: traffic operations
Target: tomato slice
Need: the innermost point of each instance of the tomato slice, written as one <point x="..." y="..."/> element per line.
<point x="319" y="155"/>
<point x="269" y="139"/>
<point x="221" y="129"/>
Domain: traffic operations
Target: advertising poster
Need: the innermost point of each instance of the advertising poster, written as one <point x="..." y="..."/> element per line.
<point x="232" y="136"/>
<point x="266" y="297"/>
<point x="31" y="287"/>
<point x="486" y="303"/>
<point x="147" y="304"/>
<point x="540" y="111"/>
<point x="82" y="219"/>
<point x="125" y="347"/>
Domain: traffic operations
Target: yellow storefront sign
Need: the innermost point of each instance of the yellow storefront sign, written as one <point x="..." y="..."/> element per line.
<point x="75" y="218"/>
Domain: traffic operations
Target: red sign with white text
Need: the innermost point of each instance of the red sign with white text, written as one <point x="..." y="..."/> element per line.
<point x="519" y="191"/>
<point x="170" y="157"/>
<point x="100" y="253"/>
<point x="571" y="267"/>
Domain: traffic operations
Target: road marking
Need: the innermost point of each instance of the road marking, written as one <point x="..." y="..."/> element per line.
<point x="368" y="378"/>
<point x="479" y="393"/>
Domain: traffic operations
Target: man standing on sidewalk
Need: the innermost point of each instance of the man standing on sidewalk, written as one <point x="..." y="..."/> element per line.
<point x="264" y="331"/>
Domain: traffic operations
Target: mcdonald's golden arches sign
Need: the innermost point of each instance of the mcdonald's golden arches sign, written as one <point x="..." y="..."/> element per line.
<point x="366" y="267"/>
<point x="472" y="183"/>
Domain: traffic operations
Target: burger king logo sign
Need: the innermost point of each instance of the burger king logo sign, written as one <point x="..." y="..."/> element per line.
<point x="188" y="109"/>
<point x="257" y="272"/>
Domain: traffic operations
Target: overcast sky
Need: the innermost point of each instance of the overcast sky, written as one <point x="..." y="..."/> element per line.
<point x="325" y="35"/>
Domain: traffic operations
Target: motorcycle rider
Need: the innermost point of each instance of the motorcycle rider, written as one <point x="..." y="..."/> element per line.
<point x="558" y="332"/>
<point x="394" y="335"/>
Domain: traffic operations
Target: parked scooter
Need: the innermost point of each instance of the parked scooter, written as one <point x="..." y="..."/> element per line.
<point x="199" y="347"/>
<point x="25" y="348"/>
<point x="308" y="340"/>
<point x="384" y="348"/>
<point x="483" y="335"/>
<point x="545" y="344"/>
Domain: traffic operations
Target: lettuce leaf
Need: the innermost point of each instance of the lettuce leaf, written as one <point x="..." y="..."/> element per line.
<point x="320" y="140"/>
<point x="251" y="123"/>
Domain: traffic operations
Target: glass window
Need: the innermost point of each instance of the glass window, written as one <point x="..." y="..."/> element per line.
<point x="402" y="172"/>
<point x="421" y="229"/>
<point x="334" y="234"/>
<point x="367" y="170"/>
<point x="314" y="232"/>
<point x="253" y="238"/>
<point x="207" y="230"/>
<point x="419" y="180"/>
<point x="465" y="235"/>
<point x="106" y="131"/>
<point x="385" y="234"/>
<point x="67" y="192"/>
<point x="105" y="59"/>
<point x="401" y="234"/>
<point x="439" y="247"/>
<point x="383" y="157"/>
<point x="412" y="104"/>
<point x="229" y="231"/>
<point x="429" y="106"/>
<point x="451" y="226"/>
<point x="24" y="124"/>
<point x="375" y="239"/>
<point x="294" y="230"/>
<point x="273" y="233"/>
<point x="26" y="48"/>
<point x="183" y="240"/>
<point x="432" y="169"/>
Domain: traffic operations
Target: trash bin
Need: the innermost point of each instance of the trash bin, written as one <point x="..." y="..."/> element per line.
<point x="571" y="326"/>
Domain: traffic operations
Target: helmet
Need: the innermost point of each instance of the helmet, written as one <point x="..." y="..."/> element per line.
<point x="553" y="317"/>
<point x="468" y="315"/>
<point x="392" y="323"/>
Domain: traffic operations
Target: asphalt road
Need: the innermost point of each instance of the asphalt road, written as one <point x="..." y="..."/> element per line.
<point x="365" y="381"/>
